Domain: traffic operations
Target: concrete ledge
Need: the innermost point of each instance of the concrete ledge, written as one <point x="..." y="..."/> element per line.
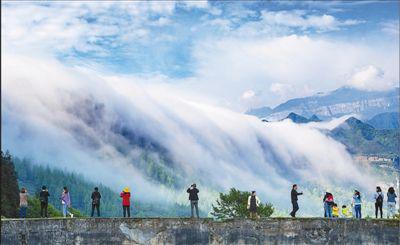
<point x="202" y="231"/>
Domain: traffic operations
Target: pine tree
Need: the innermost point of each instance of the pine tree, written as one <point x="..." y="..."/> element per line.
<point x="234" y="205"/>
<point x="9" y="187"/>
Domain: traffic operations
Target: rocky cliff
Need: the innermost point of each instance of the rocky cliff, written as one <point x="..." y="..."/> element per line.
<point x="203" y="231"/>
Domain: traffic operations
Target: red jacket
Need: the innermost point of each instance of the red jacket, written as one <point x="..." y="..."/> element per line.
<point x="126" y="198"/>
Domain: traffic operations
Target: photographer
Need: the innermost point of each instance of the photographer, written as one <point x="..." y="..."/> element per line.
<point x="194" y="199"/>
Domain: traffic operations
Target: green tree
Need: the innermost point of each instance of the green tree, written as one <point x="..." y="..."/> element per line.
<point x="9" y="187"/>
<point x="234" y="205"/>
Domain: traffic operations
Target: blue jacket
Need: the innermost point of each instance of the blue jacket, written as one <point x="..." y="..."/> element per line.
<point x="391" y="197"/>
<point x="357" y="200"/>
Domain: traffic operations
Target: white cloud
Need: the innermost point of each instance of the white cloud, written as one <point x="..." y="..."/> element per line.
<point x="224" y="24"/>
<point x="391" y="28"/>
<point x="285" y="91"/>
<point x="215" y="11"/>
<point x="248" y="94"/>
<point x="81" y="26"/>
<point x="47" y="109"/>
<point x="162" y="21"/>
<point x="370" y="78"/>
<point x="196" y="4"/>
<point x="305" y="21"/>
<point x="290" y="65"/>
<point x="281" y="89"/>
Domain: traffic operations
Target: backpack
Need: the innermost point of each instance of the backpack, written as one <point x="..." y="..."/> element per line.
<point x="379" y="199"/>
<point x="96" y="200"/>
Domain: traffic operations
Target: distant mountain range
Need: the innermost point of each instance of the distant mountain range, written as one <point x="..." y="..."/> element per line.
<point x="362" y="138"/>
<point x="342" y="101"/>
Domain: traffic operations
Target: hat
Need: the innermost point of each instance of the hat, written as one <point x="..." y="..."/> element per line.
<point x="126" y="189"/>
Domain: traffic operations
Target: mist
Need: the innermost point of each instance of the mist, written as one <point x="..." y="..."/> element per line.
<point x="100" y="125"/>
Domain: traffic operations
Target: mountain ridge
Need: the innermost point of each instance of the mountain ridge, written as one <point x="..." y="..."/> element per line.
<point x="339" y="102"/>
<point x="362" y="138"/>
<point x="300" y="119"/>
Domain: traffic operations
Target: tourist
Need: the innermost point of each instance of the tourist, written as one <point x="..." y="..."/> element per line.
<point x="335" y="210"/>
<point x="346" y="213"/>
<point x="96" y="201"/>
<point x="126" y="201"/>
<point x="328" y="203"/>
<point x="378" y="201"/>
<point x="391" y="202"/>
<point x="252" y="203"/>
<point x="357" y="204"/>
<point x="23" y="202"/>
<point x="194" y="199"/>
<point x="44" y="201"/>
<point x="66" y="202"/>
<point x="293" y="197"/>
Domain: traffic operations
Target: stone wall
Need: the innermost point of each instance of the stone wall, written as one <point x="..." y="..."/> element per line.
<point x="203" y="231"/>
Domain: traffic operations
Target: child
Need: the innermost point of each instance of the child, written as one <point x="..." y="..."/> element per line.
<point x="346" y="213"/>
<point x="335" y="211"/>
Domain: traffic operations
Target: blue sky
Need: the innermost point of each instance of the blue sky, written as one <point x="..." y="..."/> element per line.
<point x="237" y="54"/>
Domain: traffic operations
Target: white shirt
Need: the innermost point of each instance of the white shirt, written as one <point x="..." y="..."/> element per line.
<point x="257" y="201"/>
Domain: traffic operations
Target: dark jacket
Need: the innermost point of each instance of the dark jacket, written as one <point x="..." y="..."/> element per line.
<point x="193" y="194"/>
<point x="294" y="195"/>
<point x="44" y="196"/>
<point x="96" y="197"/>
<point x="326" y="198"/>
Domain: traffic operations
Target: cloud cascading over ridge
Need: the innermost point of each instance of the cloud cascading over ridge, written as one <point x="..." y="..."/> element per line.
<point x="98" y="125"/>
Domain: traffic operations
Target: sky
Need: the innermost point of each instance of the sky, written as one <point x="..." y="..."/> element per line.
<point x="238" y="54"/>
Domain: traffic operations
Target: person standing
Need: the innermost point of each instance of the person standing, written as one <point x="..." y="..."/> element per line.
<point x="294" y="197"/>
<point x="44" y="201"/>
<point x="194" y="199"/>
<point x="252" y="204"/>
<point x="66" y="202"/>
<point x="328" y="204"/>
<point x="378" y="196"/>
<point x="96" y="201"/>
<point x="391" y="202"/>
<point x="23" y="202"/>
<point x="126" y="201"/>
<point x="357" y="204"/>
